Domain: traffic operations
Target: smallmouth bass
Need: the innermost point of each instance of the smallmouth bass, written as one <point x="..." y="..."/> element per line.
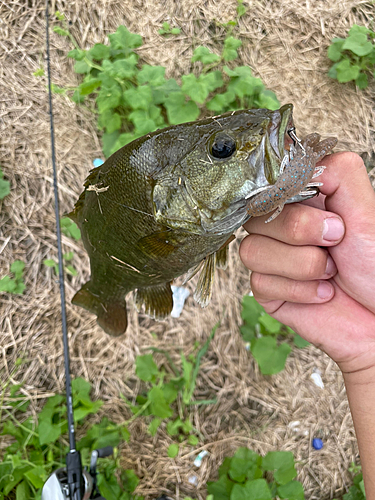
<point x="168" y="203"/>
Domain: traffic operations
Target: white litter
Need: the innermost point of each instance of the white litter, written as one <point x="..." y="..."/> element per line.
<point x="317" y="379"/>
<point x="180" y="294"/>
<point x="199" y="458"/>
<point x="193" y="480"/>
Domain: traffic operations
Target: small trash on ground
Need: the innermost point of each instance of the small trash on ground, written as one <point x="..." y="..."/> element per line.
<point x="317" y="444"/>
<point x="317" y="378"/>
<point x="97" y="162"/>
<point x="180" y="294"/>
<point x="199" y="458"/>
<point x="193" y="480"/>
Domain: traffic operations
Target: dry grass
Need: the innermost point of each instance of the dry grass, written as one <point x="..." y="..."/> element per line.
<point x="285" y="42"/>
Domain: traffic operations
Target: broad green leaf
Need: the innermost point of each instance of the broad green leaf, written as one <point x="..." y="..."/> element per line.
<point x="7" y="284"/>
<point x="68" y="255"/>
<point x="193" y="440"/>
<point x="194" y="87"/>
<point x="124" y="40"/>
<point x="180" y="111"/>
<point x="130" y="480"/>
<point x="154" y="426"/>
<point x="251" y="310"/>
<point x="37" y="476"/>
<point x="17" y="268"/>
<point x="346" y="71"/>
<point x="173" y="450"/>
<point x="109" y="96"/>
<point x="19" y="288"/>
<point x="282" y="463"/>
<point x="244" y="465"/>
<point x="300" y="342"/>
<point x="154" y="75"/>
<point x="23" y="491"/>
<point x="170" y="392"/>
<point x="241" y="9"/>
<point x="125" y="68"/>
<point x="267" y="99"/>
<point x="89" y="86"/>
<point x="159" y="406"/>
<point x="292" y="491"/>
<point x="99" y="52"/>
<point x="113" y="123"/>
<point x="221" y="102"/>
<point x="76" y="54"/>
<point x="256" y="489"/>
<point x="82" y="67"/>
<point x="361" y="81"/>
<point x="271" y="324"/>
<point x="270" y="357"/>
<point x="163" y="91"/>
<point x="221" y="489"/>
<point x="358" y="44"/>
<point x="146" y="368"/>
<point x="60" y="31"/>
<point x="70" y="228"/>
<point x="139" y="97"/>
<point x="359" y="29"/>
<point x="109" y="141"/>
<point x="335" y="49"/>
<point x="204" y="55"/>
<point x="142" y="122"/>
<point x="231" y="45"/>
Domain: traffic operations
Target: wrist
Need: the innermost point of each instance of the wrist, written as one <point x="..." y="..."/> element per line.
<point x="364" y="376"/>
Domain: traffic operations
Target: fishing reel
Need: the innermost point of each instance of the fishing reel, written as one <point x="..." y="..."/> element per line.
<point x="64" y="485"/>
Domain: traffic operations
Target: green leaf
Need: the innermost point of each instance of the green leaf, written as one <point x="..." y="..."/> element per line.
<point x="4" y="186"/>
<point x="76" y="54"/>
<point x="99" y="52"/>
<point x="204" y="55"/>
<point x="221" y="102"/>
<point x="300" y="342"/>
<point x="39" y="72"/>
<point x="23" y="491"/>
<point x="17" y="268"/>
<point x="362" y="81"/>
<point x="180" y="111"/>
<point x="358" y="44"/>
<point x="335" y="49"/>
<point x="231" y="45"/>
<point x="173" y="450"/>
<point x="359" y="29"/>
<point x="292" y="491"/>
<point x="159" y="406"/>
<point x="37" y="476"/>
<point x="7" y="284"/>
<point x="251" y="310"/>
<point x="154" y="426"/>
<point x="282" y="463"/>
<point x="255" y="490"/>
<point x="346" y="71"/>
<point x="221" y="489"/>
<point x="113" y="123"/>
<point x="267" y="99"/>
<point x="193" y="440"/>
<point x="241" y="9"/>
<point x="70" y="228"/>
<point x="82" y="67"/>
<point x="109" y="96"/>
<point x="124" y="40"/>
<point x="270" y="357"/>
<point x="194" y="87"/>
<point x="244" y="465"/>
<point x="139" y="97"/>
<point x="146" y="368"/>
<point x="109" y="141"/>
<point x="86" y="88"/>
<point x="270" y="324"/>
<point x="154" y="75"/>
<point x="130" y="480"/>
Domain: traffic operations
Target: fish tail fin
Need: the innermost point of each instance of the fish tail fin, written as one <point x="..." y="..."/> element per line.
<point x="111" y="314"/>
<point x="157" y="299"/>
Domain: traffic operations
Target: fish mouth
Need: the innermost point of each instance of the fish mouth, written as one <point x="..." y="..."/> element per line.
<point x="277" y="142"/>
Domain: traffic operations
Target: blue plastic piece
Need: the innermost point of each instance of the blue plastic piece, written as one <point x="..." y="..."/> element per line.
<point x="317" y="444"/>
<point x="97" y="162"/>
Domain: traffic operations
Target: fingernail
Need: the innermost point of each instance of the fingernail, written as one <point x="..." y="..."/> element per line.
<point x="333" y="229"/>
<point x="331" y="268"/>
<point x="324" y="290"/>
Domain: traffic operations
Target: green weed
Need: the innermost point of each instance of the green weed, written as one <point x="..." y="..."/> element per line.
<point x="69" y="269"/>
<point x="263" y="332"/>
<point x="247" y="475"/>
<point x="39" y="445"/>
<point x="14" y="284"/>
<point x="133" y="99"/>
<point x="167" y="30"/>
<point x="70" y="228"/>
<point x="4" y="186"/>
<point x="354" y="56"/>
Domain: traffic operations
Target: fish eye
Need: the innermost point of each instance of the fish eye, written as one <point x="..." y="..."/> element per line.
<point x="223" y="146"/>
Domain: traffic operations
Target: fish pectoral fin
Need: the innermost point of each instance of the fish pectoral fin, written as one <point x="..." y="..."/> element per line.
<point x="203" y="291"/>
<point x="157" y="245"/>
<point x="111" y="314"/>
<point x="157" y="299"/>
<point x="222" y="253"/>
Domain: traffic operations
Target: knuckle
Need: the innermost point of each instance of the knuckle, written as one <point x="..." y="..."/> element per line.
<point x="314" y="264"/>
<point x="257" y="283"/>
<point x="298" y="224"/>
<point x="294" y="292"/>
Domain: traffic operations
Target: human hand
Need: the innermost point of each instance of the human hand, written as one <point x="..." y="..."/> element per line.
<point x="322" y="283"/>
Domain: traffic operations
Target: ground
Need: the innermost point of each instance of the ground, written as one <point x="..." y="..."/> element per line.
<point x="285" y="43"/>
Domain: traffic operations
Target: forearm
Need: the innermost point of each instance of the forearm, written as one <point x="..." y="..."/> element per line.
<point x="360" y="389"/>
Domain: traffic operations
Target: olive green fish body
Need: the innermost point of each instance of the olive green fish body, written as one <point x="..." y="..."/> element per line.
<point x="167" y="204"/>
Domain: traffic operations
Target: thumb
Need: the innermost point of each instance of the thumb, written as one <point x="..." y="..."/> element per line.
<point x="347" y="188"/>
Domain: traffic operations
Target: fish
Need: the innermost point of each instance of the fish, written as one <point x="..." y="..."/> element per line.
<point x="167" y="205"/>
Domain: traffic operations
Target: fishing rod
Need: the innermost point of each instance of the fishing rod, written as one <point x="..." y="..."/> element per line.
<point x="71" y="482"/>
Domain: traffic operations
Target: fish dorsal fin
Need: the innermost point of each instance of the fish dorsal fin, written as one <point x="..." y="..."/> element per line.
<point x="203" y="290"/>
<point x="157" y="245"/>
<point x="158" y="300"/>
<point x="222" y="253"/>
